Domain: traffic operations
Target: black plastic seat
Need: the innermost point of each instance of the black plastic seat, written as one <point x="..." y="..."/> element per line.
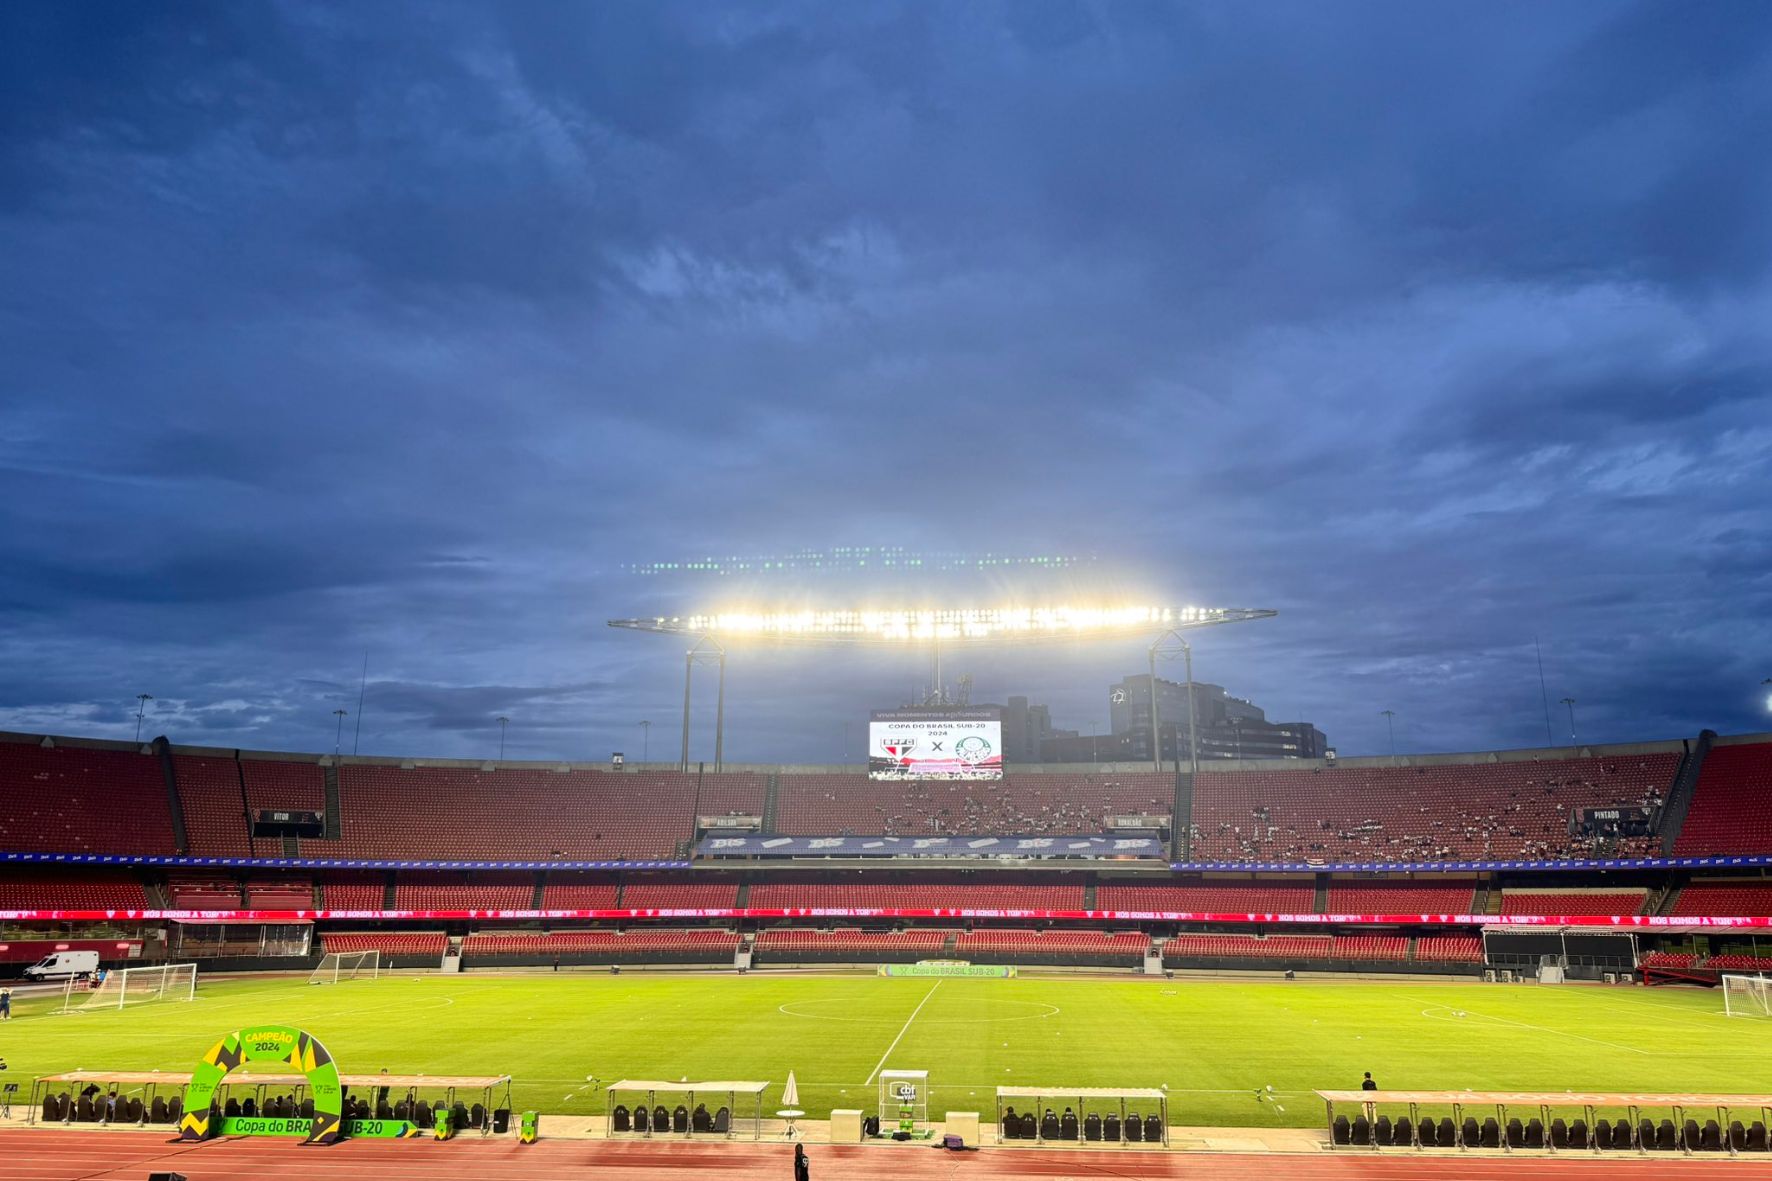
<point x="1338" y="1132"/>
<point x="1710" y="1137"/>
<point x="1491" y="1137"/>
<point x="1448" y="1137"/>
<point x="1360" y="1131"/>
<point x="700" y="1120"/>
<point x="1381" y="1130"/>
<point x="1110" y="1129"/>
<point x="1092" y="1126"/>
<point x="723" y="1121"/>
<point x="1134" y="1127"/>
<point x="1067" y="1126"/>
<point x="1621" y="1134"/>
<point x="1534" y="1133"/>
<point x="1470" y="1136"/>
<point x="1049" y="1126"/>
<point x="661" y="1119"/>
<point x="1153" y="1129"/>
<point x="619" y="1118"/>
<point x="642" y="1121"/>
<point x="1559" y="1133"/>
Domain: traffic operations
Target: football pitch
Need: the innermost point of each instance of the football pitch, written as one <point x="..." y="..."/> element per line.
<point x="1212" y="1043"/>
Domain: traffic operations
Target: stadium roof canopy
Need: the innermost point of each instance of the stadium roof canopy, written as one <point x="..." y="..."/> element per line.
<point x="901" y="625"/>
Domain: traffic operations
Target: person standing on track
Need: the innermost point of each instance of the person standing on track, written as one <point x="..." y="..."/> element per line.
<point x="1367" y="1084"/>
<point x="5" y="1004"/>
<point x="802" y="1166"/>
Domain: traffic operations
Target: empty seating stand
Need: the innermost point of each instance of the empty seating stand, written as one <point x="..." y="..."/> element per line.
<point x="63" y="889"/>
<point x="1407" y="897"/>
<point x="1574" y="902"/>
<point x="74" y="799"/>
<point x="663" y="945"/>
<point x="1433" y="812"/>
<point x="851" y="944"/>
<point x="1449" y="949"/>
<point x="681" y="891"/>
<point x="1053" y="947"/>
<point x="1728" y="812"/>
<point x="1025" y="804"/>
<point x="397" y="945"/>
<point x="1258" y="897"/>
<point x="1730" y="899"/>
<point x="984" y="892"/>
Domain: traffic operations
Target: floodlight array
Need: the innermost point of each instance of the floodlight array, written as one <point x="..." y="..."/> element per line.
<point x="960" y="623"/>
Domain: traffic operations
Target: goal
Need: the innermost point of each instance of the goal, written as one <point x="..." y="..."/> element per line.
<point x="1747" y="996"/>
<point x="133" y="986"/>
<point x="346" y="965"/>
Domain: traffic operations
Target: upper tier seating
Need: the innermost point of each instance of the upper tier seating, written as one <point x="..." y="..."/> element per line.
<point x="1539" y="902"/>
<point x="1423" y="897"/>
<point x="1017" y="805"/>
<point x="451" y="812"/>
<point x="1449" y="949"/>
<point x="71" y="889"/>
<point x="217" y="816"/>
<point x="389" y="943"/>
<point x="695" y="891"/>
<point x="1436" y="812"/>
<point x="975" y="894"/>
<point x="1737" y="962"/>
<point x="1729" y="813"/>
<point x="1725" y="899"/>
<point x="463" y="891"/>
<point x="69" y="799"/>
<point x="1293" y="897"/>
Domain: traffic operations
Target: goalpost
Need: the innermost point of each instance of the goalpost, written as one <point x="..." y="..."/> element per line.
<point x="347" y="965"/>
<point x="1747" y="996"/>
<point x="133" y="986"/>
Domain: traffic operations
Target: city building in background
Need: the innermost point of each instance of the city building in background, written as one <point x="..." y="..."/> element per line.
<point x="1227" y="728"/>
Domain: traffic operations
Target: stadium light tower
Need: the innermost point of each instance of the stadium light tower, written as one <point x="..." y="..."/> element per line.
<point x="502" y="723"/>
<point x="645" y="740"/>
<point x="1390" y="722"/>
<point x="1570" y="702"/>
<point x="338" y="734"/>
<point x="908" y="626"/>
<point x="141" y="708"/>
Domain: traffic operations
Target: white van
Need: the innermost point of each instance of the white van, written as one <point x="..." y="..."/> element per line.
<point x="63" y="964"/>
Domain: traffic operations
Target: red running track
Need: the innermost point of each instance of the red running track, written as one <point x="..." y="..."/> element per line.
<point x="113" y="1156"/>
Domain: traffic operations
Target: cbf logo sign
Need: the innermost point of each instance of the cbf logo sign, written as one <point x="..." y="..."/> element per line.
<point x="972" y="749"/>
<point x="906" y="1091"/>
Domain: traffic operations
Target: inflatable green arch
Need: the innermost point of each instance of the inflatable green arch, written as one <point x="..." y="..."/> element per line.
<point x="267" y="1043"/>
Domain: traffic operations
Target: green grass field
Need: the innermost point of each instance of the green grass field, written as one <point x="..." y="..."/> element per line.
<point x="1211" y="1042"/>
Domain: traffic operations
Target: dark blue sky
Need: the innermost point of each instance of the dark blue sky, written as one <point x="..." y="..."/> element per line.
<point x="401" y="328"/>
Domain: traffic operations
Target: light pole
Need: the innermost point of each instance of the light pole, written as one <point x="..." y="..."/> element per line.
<point x="645" y="740"/>
<point x="1237" y="729"/>
<point x="1570" y="702"/>
<point x="140" y="709"/>
<point x="1390" y="721"/>
<point x="502" y="723"/>
<point x="338" y="735"/>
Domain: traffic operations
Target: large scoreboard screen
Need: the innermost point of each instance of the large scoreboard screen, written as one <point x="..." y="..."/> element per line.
<point x="942" y="743"/>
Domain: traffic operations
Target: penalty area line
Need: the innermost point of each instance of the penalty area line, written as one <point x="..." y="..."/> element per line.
<point x="907" y="1025"/>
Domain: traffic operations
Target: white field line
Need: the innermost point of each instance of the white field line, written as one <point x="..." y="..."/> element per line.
<point x="1536" y="1028"/>
<point x="907" y="1024"/>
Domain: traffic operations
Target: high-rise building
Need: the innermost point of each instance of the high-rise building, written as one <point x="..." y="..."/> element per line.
<point x="1226" y="727"/>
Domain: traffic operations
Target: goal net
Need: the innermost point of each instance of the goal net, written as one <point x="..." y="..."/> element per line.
<point x="1747" y="996"/>
<point x="133" y="986"/>
<point x="336" y="966"/>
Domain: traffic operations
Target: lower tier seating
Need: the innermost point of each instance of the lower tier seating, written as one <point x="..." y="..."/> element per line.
<point x="1449" y="949"/>
<point x="1571" y="901"/>
<point x="389" y="943"/>
<point x="701" y="944"/>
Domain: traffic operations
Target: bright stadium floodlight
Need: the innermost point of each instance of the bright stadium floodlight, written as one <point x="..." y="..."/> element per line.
<point x="900" y="625"/>
<point x="712" y="631"/>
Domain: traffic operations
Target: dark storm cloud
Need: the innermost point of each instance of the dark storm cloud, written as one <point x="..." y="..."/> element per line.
<point x="399" y="329"/>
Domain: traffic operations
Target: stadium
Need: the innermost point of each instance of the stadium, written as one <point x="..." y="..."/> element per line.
<point x="1528" y="951"/>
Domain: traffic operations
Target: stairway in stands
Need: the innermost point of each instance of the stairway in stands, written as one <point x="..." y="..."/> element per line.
<point x="1181" y="817"/>
<point x="1681" y="791"/>
<point x="334" y="814"/>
